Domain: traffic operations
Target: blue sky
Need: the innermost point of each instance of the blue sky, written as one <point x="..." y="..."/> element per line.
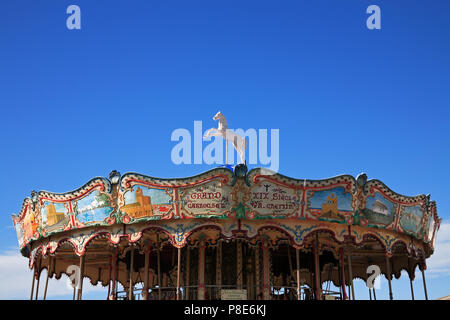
<point x="75" y="104"/>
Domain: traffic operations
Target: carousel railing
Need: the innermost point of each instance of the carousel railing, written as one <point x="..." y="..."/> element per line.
<point x="213" y="292"/>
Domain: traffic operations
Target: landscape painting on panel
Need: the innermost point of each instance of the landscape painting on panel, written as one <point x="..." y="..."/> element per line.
<point x="411" y="219"/>
<point x="379" y="210"/>
<point x="146" y="202"/>
<point x="332" y="204"/>
<point x="54" y="216"/>
<point x="93" y="208"/>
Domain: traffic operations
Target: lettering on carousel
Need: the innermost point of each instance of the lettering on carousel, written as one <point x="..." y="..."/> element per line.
<point x="206" y="200"/>
<point x="208" y="196"/>
<point x="269" y="199"/>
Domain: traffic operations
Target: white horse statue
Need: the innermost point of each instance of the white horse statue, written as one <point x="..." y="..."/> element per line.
<point x="239" y="143"/>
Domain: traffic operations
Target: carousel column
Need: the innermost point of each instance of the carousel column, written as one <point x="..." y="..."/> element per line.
<point x="265" y="271"/>
<point x="74" y="292"/>
<point x="410" y="279"/>
<point x="146" y="266"/>
<point x="317" y="282"/>
<point x="201" y="271"/>
<point x="239" y="263"/>
<point x="130" y="288"/>
<point x="49" y="270"/>
<point x="424" y="281"/>
<point x="257" y="273"/>
<point x="388" y="268"/>
<point x="80" y="280"/>
<point x="33" y="272"/>
<point x="109" y="279"/>
<point x="342" y="273"/>
<point x="38" y="275"/>
<point x="350" y="275"/>
<point x="297" y="256"/>
<point x="114" y="284"/>
<point x="178" y="273"/>
<point x="188" y="271"/>
<point x="158" y="258"/>
<point x="219" y="269"/>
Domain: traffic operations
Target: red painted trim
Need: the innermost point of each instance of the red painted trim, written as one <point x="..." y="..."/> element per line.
<point x="392" y="199"/>
<point x="303" y="203"/>
<point x="142" y="182"/>
<point x="102" y="187"/>
<point x="257" y="177"/>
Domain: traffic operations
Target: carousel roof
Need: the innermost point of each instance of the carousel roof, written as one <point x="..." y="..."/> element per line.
<point x="122" y="206"/>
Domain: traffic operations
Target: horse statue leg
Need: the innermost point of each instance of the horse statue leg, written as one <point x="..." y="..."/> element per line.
<point x="212" y="132"/>
<point x="239" y="144"/>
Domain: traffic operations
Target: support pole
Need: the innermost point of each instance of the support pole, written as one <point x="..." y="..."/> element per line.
<point x="350" y="274"/>
<point x="343" y="274"/>
<point x="219" y="269"/>
<point x="33" y="272"/>
<point x="201" y="271"/>
<point x="257" y="274"/>
<point x="114" y="284"/>
<point x="239" y="279"/>
<point x="178" y="273"/>
<point x="48" y="275"/>
<point x="265" y="272"/>
<point x="146" y="266"/>
<point x="188" y="271"/>
<point x="388" y="268"/>
<point x="370" y="294"/>
<point x="130" y="287"/>
<point x="158" y="257"/>
<point x="410" y="279"/>
<point x="424" y="282"/>
<point x="38" y="275"/>
<point x="317" y="282"/>
<point x="412" y="289"/>
<point x="80" y="290"/>
<point x="291" y="269"/>
<point x="374" y="294"/>
<point x="109" y="281"/>
<point x="297" y="256"/>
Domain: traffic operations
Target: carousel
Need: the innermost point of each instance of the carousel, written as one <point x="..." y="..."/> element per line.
<point x="226" y="234"/>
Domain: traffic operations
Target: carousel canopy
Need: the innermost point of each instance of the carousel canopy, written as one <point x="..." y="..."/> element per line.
<point x="233" y="202"/>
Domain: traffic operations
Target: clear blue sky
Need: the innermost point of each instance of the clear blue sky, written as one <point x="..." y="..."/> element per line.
<point x="75" y="104"/>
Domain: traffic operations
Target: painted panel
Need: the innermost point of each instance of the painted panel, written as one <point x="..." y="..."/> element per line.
<point x="210" y="199"/>
<point x="20" y="233"/>
<point x="55" y="216"/>
<point x="271" y="200"/>
<point x="148" y="203"/>
<point x="379" y="211"/>
<point x="331" y="204"/>
<point x="95" y="208"/>
<point x="411" y="219"/>
<point x="430" y="228"/>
